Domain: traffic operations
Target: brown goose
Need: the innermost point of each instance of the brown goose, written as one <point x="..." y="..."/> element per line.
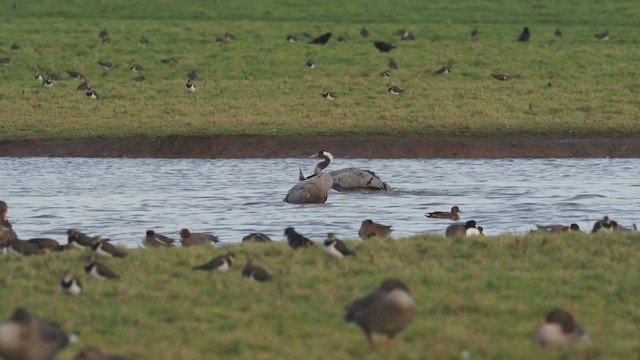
<point x="27" y="337"/>
<point x="559" y="329"/>
<point x="453" y="215"/>
<point x="188" y="238"/>
<point x="157" y="240"/>
<point x="369" y="229"/>
<point x="256" y="237"/>
<point x="314" y="189"/>
<point x="387" y="310"/>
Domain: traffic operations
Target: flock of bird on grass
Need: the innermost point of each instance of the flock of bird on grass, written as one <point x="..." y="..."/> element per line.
<point x="49" y="79"/>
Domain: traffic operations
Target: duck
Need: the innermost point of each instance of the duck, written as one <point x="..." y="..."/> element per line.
<point x="70" y="284"/>
<point x="255" y="273"/>
<point x="157" y="240"/>
<point x="98" y="270"/>
<point x="369" y="229"/>
<point x="461" y="229"/>
<point x="336" y="248"/>
<point x="256" y="237"/>
<point x="559" y="329"/>
<point x="105" y="249"/>
<point x="46" y="244"/>
<point x="297" y="240"/>
<point x="388" y="310"/>
<point x="558" y="228"/>
<point x="452" y="215"/>
<point x="27" y="337"/>
<point x="220" y="263"/>
<point x="187" y="238"/>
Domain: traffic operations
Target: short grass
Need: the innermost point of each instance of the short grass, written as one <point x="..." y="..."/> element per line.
<point x="257" y="84"/>
<point x="484" y="296"/>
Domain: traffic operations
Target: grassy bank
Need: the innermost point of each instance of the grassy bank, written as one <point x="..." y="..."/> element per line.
<point x="481" y="295"/>
<point x="258" y="84"/>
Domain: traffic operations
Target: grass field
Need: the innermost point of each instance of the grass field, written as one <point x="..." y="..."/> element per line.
<point x="258" y="84"/>
<point x="484" y="296"/>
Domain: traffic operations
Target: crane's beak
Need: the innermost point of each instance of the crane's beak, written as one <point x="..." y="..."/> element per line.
<point x="313" y="156"/>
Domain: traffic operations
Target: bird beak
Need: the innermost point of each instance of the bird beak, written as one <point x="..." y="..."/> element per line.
<point x="313" y="156"/>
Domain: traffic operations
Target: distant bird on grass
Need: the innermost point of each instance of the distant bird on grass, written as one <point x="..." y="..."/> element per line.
<point x="310" y="64"/>
<point x="474" y="33"/>
<point x="189" y="86"/>
<point x="38" y="76"/>
<point x="393" y="64"/>
<point x="98" y="270"/>
<point x="387" y="310"/>
<point x="79" y="240"/>
<point x="256" y="237"/>
<point x="604" y="36"/>
<point x="92" y="94"/>
<point x="193" y="75"/>
<point x="524" y="35"/>
<point x="322" y="39"/>
<point x="5" y="61"/>
<point x="385" y="74"/>
<point x="452" y="215"/>
<point x="394" y="90"/>
<point x="336" y="248"/>
<point x="501" y="77"/>
<point x="104" y="36"/>
<point x="143" y="41"/>
<point x="105" y="249"/>
<point x="383" y="46"/>
<point x="133" y="67"/>
<point x="75" y="74"/>
<point x="229" y="36"/>
<point x="187" y="238"/>
<point x="559" y="329"/>
<point x="84" y="86"/>
<point x="140" y="79"/>
<point x="105" y="65"/>
<point x="15" y="46"/>
<point x="369" y="229"/>
<point x="342" y="38"/>
<point x="220" y="263"/>
<point x="364" y="32"/>
<point x="328" y="94"/>
<point x="406" y="35"/>
<point x="157" y="240"/>
<point x="291" y="38"/>
<point x="558" y="33"/>
<point x="170" y="60"/>
<point x="48" y="82"/>
<point x="297" y="240"/>
<point x="256" y="273"/>
<point x="443" y="70"/>
<point x="70" y="284"/>
<point x="221" y="40"/>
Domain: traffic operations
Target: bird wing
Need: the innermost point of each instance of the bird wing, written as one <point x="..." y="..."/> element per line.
<point x="357" y="310"/>
<point x="343" y="249"/>
<point x="211" y="264"/>
<point x="354" y="179"/>
<point x="261" y="274"/>
<point x="312" y="190"/>
<point x="106" y="272"/>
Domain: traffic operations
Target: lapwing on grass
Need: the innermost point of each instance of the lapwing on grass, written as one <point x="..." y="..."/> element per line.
<point x="48" y="82"/>
<point x="604" y="36"/>
<point x="383" y="46"/>
<point x="407" y="35"/>
<point x="328" y="94"/>
<point x="15" y="46"/>
<point x="524" y="35"/>
<point x="394" y="90"/>
<point x="133" y="67"/>
<point x="38" y="76"/>
<point x="6" y="61"/>
<point x="474" y="33"/>
<point x="256" y="273"/>
<point x="385" y="74"/>
<point x="443" y="70"/>
<point x="229" y="36"/>
<point x="79" y="240"/>
<point x="190" y="86"/>
<point x="98" y="271"/>
<point x="105" y="249"/>
<point x="70" y="284"/>
<point x="364" y="32"/>
<point x="297" y="240"/>
<point x="335" y="248"/>
<point x="322" y="39"/>
<point x="105" y="65"/>
<point x="170" y="60"/>
<point x="104" y="36"/>
<point x="393" y="64"/>
<point x="310" y="64"/>
<point x="92" y="94"/>
<point x="75" y="74"/>
<point x="143" y="41"/>
<point x="221" y="40"/>
<point x="220" y="263"/>
<point x="342" y="38"/>
<point x="501" y="77"/>
<point x="140" y="79"/>
<point x="558" y="33"/>
<point x="84" y="86"/>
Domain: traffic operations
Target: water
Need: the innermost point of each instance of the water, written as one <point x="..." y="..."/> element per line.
<point x="122" y="198"/>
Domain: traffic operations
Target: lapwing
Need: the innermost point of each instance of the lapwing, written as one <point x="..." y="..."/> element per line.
<point x="220" y="263"/>
<point x="193" y="75"/>
<point x="342" y="38"/>
<point x="143" y="41"/>
<point x="140" y="79"/>
<point x="190" y="86"/>
<point x="322" y="39"/>
<point x="558" y="33"/>
<point x="558" y="228"/>
<point x="291" y="38"/>
<point x="84" y="86"/>
<point x="92" y="94"/>
<point x="46" y="244"/>
<point x="104" y="36"/>
<point x="157" y="240"/>
<point x="559" y="329"/>
<point x="336" y="248"/>
<point x="364" y="32"/>
<point x="48" y="82"/>
<point x="393" y="64"/>
<point x="38" y="76"/>
<point x="394" y="90"/>
<point x="385" y="74"/>
<point x="228" y="36"/>
<point x="70" y="284"/>
<point x="383" y="46"/>
<point x="15" y="46"/>
<point x="133" y="67"/>
<point x="5" y="61"/>
<point x="474" y="33"/>
<point x="105" y="65"/>
<point x="297" y="240"/>
<point x="443" y="70"/>
<point x="188" y="238"/>
<point x="501" y="77"/>
<point x="369" y="229"/>
<point x="221" y="40"/>
<point x="98" y="270"/>
<point x="310" y="64"/>
<point x="524" y="35"/>
<point x="605" y="225"/>
<point x="407" y="35"/>
<point x="460" y="229"/>
<point x="27" y="337"/>
<point x="79" y="240"/>
<point x="604" y="36"/>
<point x="256" y="237"/>
<point x="102" y="248"/>
<point x="328" y="94"/>
<point x="452" y="215"/>
<point x="22" y="247"/>
<point x="256" y="273"/>
<point x="75" y="74"/>
<point x="170" y="60"/>
<point x="387" y="310"/>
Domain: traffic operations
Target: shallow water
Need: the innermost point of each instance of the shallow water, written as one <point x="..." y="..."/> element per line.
<point x="122" y="198"/>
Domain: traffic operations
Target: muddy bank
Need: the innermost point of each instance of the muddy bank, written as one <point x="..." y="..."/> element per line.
<point x="361" y="146"/>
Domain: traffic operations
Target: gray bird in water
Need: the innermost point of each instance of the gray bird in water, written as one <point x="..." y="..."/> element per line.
<point x="315" y="188"/>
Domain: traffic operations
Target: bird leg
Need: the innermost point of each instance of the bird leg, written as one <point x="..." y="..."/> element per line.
<point x="389" y="341"/>
<point x="369" y="339"/>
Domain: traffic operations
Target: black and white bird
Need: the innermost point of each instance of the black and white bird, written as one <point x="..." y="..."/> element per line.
<point x="291" y="38"/>
<point x="143" y="41"/>
<point x="443" y="70"/>
<point x="105" y="65"/>
<point x="310" y="64"/>
<point x="297" y="240"/>
<point x="385" y="74"/>
<point x="92" y="94"/>
<point x="559" y="329"/>
<point x="190" y="86"/>
<point x="394" y="90"/>
<point x="524" y="35"/>
<point x="220" y="263"/>
<point x="157" y="240"/>
<point x="256" y="273"/>
<point x="84" y="86"/>
<point x="328" y="94"/>
<point x="98" y="270"/>
<point x="256" y="237"/>
<point x="604" y="36"/>
<point x="48" y="82"/>
<point x="75" y="74"/>
<point x="407" y="35"/>
<point x="105" y="249"/>
<point x="383" y="46"/>
<point x="393" y="64"/>
<point x="334" y="247"/>
<point x="322" y="39"/>
<point x="364" y="32"/>
<point x="501" y="77"/>
<point x="170" y="60"/>
<point x="133" y="67"/>
<point x="79" y="240"/>
<point x="140" y="79"/>
<point x="38" y="76"/>
<point x="70" y="284"/>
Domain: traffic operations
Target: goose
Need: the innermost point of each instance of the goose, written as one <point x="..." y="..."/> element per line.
<point x="314" y="189"/>
<point x="559" y="329"/>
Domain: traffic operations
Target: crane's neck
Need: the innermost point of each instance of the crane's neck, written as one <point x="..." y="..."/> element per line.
<point x="328" y="159"/>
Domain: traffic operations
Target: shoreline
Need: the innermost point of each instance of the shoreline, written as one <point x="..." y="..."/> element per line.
<point x="350" y="146"/>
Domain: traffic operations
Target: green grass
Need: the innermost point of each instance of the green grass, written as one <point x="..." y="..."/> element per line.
<point x="482" y="295"/>
<point x="258" y="84"/>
